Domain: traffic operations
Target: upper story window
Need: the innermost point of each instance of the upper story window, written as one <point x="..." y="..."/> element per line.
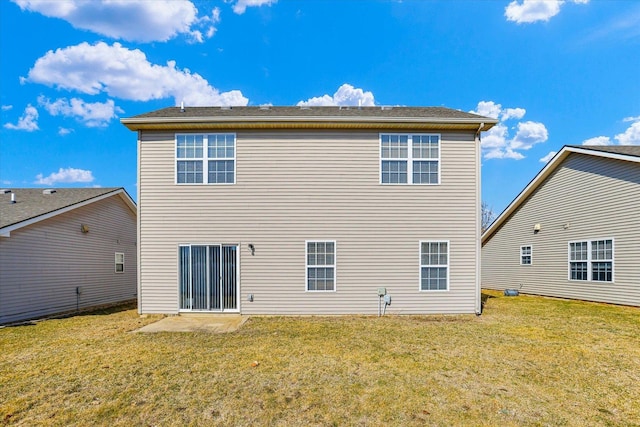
<point x="409" y="158"/>
<point x="206" y="158"/>
<point x="525" y="255"/>
<point x="591" y="260"/>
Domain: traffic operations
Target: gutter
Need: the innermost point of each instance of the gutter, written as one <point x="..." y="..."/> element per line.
<point x="302" y="122"/>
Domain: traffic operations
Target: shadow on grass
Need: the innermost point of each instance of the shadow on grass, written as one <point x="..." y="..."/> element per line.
<point x="103" y="310"/>
<point x="483" y="300"/>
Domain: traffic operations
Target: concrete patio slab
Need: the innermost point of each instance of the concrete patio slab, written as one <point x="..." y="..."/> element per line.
<point x="213" y="323"/>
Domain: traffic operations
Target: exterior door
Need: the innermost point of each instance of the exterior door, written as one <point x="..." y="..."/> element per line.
<point x="208" y="278"/>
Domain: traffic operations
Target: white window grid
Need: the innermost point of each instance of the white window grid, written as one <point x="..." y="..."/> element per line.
<point x="206" y="158"/>
<point x="526" y="255"/>
<point x="438" y="260"/>
<point x="326" y="260"/>
<point x="119" y="262"/>
<point x="413" y="155"/>
<point x="587" y="256"/>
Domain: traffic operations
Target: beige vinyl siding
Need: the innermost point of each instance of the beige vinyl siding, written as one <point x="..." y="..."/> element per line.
<point x="596" y="198"/>
<point x="294" y="186"/>
<point x="42" y="264"/>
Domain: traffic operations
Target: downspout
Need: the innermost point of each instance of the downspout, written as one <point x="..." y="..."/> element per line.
<point x="478" y="221"/>
<point x="138" y="233"/>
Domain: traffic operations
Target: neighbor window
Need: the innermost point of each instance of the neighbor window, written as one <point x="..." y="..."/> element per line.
<point x="119" y="262"/>
<point x="525" y="255"/>
<point x="410" y="158"/>
<point x="434" y="266"/>
<point x="591" y="260"/>
<point x="205" y="158"/>
<point x="321" y="266"/>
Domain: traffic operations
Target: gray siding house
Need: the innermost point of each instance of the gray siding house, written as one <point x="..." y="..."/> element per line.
<point x="574" y="231"/>
<point x="65" y="249"/>
<point x="309" y="210"/>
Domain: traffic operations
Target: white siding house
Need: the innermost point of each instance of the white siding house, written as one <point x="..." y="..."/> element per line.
<point x="288" y="210"/>
<point x="64" y="250"/>
<point x="574" y="231"/>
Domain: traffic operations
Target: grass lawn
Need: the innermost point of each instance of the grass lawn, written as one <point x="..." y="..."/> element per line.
<point x="526" y="361"/>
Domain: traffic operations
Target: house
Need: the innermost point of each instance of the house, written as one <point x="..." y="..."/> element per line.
<point x="309" y="210"/>
<point x="64" y="250"/>
<point x="574" y="231"/>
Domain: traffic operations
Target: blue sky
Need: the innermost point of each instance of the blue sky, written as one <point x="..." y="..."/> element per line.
<point x="553" y="72"/>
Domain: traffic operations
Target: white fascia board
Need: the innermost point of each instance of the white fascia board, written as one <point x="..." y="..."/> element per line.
<point x="313" y="119"/>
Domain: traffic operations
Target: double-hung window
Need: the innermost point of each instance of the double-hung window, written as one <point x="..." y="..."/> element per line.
<point x="525" y="255"/>
<point x="409" y="158"/>
<point x="321" y="265"/>
<point x="119" y="262"/>
<point x="206" y="158"/>
<point x="591" y="260"/>
<point x="434" y="266"/>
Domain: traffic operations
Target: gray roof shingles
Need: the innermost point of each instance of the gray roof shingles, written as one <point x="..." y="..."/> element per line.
<point x="32" y="203"/>
<point x="629" y="150"/>
<point x="355" y="112"/>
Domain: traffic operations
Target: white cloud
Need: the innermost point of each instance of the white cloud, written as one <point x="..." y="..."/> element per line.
<point x="28" y="121"/>
<point x="346" y="95"/>
<point x="528" y="11"/>
<point x="548" y="157"/>
<point x="142" y="21"/>
<point x="68" y="175"/>
<point x="495" y="111"/>
<point x="497" y="143"/>
<point x="96" y="114"/>
<point x="631" y="136"/>
<point x="513" y="113"/>
<point x="488" y="109"/>
<point x="507" y="153"/>
<point x="64" y="131"/>
<point x="125" y="74"/>
<point x="7" y="107"/>
<point x="598" y="140"/>
<point x="241" y="5"/>
<point x="529" y="134"/>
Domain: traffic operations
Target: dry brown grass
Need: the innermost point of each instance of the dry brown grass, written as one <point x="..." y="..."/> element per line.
<point x="525" y="361"/>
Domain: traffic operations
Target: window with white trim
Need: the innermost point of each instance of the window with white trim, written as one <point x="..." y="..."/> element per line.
<point x="206" y="158"/>
<point x="525" y="255"/>
<point x="591" y="260"/>
<point x="409" y="158"/>
<point x="434" y="266"/>
<point x="119" y="268"/>
<point x="321" y="265"/>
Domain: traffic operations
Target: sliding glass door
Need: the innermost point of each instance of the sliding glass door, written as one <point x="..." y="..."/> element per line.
<point x="208" y="277"/>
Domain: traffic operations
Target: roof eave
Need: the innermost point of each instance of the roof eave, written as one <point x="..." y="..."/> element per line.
<point x="551" y="166"/>
<point x="314" y="122"/>
<point x="6" y="230"/>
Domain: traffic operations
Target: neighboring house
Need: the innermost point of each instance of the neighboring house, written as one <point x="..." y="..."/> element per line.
<point x="309" y="210"/>
<point x="574" y="231"/>
<point x="65" y="249"/>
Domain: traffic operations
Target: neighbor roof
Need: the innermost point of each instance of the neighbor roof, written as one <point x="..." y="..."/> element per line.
<point x="33" y="205"/>
<point x="620" y="152"/>
<point x="307" y="117"/>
